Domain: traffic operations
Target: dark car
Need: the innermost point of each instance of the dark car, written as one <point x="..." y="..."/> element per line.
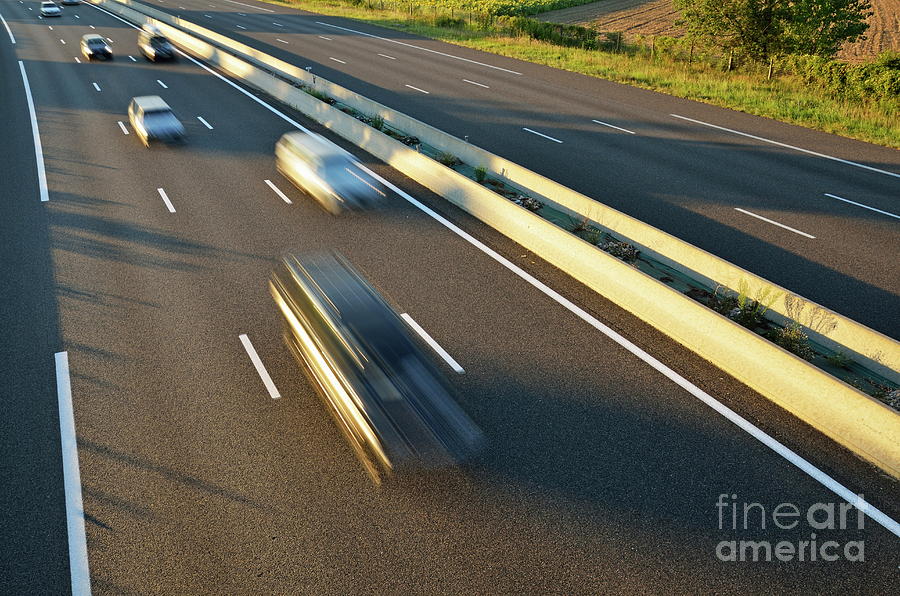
<point x="380" y="384"/>
<point x="153" y="120"/>
<point x="326" y="172"/>
<point x="71" y="2"/>
<point x="154" y="45"/>
<point x="95" y="46"/>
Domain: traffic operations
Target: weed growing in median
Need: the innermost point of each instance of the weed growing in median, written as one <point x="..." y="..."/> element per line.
<point x="793" y="339"/>
<point x="480" y="174"/>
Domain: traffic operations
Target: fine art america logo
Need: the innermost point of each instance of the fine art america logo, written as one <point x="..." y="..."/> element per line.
<point x="816" y="526"/>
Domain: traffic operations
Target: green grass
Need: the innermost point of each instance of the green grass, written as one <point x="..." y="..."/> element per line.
<point x="783" y="98"/>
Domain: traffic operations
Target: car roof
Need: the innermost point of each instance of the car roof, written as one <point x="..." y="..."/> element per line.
<point x="151" y="103"/>
<point x="310" y="144"/>
<point x="91" y="36"/>
<point x="48" y="3"/>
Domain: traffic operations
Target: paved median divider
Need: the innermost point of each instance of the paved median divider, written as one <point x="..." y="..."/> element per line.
<point x="861" y="423"/>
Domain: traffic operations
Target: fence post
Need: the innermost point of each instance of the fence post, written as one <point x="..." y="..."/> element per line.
<point x="730" y="59"/>
<point x="771" y="68"/>
<point x="691" y="58"/>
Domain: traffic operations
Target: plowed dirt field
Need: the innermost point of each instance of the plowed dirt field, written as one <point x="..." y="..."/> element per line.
<point x="657" y="17"/>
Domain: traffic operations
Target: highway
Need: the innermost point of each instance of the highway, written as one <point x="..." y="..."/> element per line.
<point x="655" y="157"/>
<point x="145" y="267"/>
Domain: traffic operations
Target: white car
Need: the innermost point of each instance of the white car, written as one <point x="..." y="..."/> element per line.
<point x="50" y="9"/>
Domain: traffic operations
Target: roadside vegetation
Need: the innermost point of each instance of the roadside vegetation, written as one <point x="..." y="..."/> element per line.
<point x="860" y="101"/>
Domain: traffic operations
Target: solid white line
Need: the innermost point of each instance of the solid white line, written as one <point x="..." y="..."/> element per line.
<point x="409" y="45"/>
<point x="278" y="192"/>
<point x="386" y="56"/>
<point x="774" y="223"/>
<point x="161" y="84"/>
<point x="133" y="59"/>
<point x="281" y="40"/>
<point x="122" y="126"/>
<point x="417" y="89"/>
<point x="260" y="369"/>
<point x="205" y="123"/>
<point x="732" y="416"/>
<point x="241" y="27"/>
<point x="62" y="41"/>
<point x="38" y="151"/>
<point x="611" y="126"/>
<point x="325" y="38"/>
<point x="96" y="86"/>
<point x="434" y="345"/>
<point x="540" y="134"/>
<point x="336" y="60"/>
<point x="807" y="151"/>
<point x="166" y="200"/>
<point x="78" y="554"/>
<point x="474" y="83"/>
<point x="77" y="60"/>
<point x="888" y="213"/>
<point x="250" y="5"/>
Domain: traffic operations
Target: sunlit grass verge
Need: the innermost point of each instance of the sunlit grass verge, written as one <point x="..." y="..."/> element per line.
<point x="784" y="98"/>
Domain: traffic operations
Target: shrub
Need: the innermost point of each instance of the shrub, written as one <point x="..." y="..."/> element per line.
<point x="480" y="174"/>
<point x="448" y="159"/>
<point x="449" y="22"/>
<point x="377" y="122"/>
<point x="793" y="339"/>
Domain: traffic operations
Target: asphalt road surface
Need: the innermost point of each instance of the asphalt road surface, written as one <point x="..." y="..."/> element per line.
<point x="653" y="156"/>
<point x="601" y="475"/>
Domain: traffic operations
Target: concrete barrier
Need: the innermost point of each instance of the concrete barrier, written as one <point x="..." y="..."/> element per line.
<point x="853" y="419"/>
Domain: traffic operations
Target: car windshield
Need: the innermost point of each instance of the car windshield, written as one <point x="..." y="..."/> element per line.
<point x="96" y="42"/>
<point x="159" y="42"/>
<point x="159" y="117"/>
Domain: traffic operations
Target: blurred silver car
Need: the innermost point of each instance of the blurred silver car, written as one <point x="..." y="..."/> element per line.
<point x="153" y="120"/>
<point x="95" y="46"/>
<point x="322" y="170"/>
<point x="50" y="9"/>
<point x="380" y="384"/>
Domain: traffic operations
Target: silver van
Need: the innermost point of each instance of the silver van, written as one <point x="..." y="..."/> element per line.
<point x="325" y="172"/>
<point x="153" y="120"/>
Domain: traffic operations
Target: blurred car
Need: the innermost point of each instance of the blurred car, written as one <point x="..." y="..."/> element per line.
<point x="70" y="2"/>
<point x="384" y="391"/>
<point x="50" y="9"/>
<point x="95" y="46"/>
<point x="153" y="120"/>
<point x="322" y="170"/>
<point x="154" y="45"/>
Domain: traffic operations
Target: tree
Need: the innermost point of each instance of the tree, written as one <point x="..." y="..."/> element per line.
<point x="762" y="28"/>
<point x="819" y="27"/>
